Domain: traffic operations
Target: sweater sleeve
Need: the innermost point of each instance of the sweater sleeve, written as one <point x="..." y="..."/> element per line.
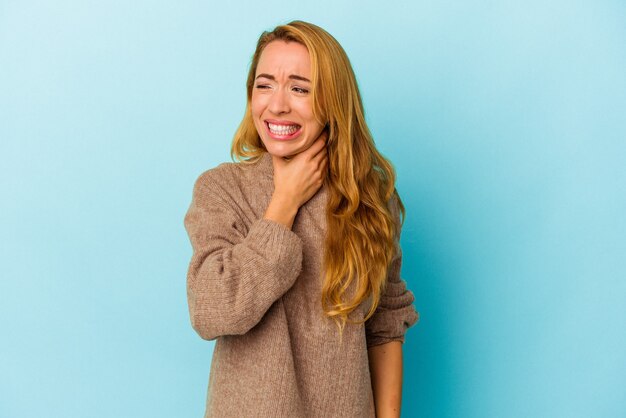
<point x="395" y="312"/>
<point x="234" y="275"/>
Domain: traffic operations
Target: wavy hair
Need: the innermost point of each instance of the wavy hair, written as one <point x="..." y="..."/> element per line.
<point x="361" y="182"/>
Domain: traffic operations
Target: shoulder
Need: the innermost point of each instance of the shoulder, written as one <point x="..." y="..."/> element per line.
<point x="224" y="178"/>
<point x="224" y="174"/>
<point x="215" y="175"/>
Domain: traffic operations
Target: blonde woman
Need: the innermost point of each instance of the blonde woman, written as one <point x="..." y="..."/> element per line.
<point x="296" y="258"/>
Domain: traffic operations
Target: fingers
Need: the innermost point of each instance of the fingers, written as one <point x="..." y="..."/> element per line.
<point x="318" y="145"/>
<point x="323" y="135"/>
<point x="278" y="161"/>
<point x="320" y="142"/>
<point x="315" y="151"/>
<point x="324" y="167"/>
<point x="320" y="155"/>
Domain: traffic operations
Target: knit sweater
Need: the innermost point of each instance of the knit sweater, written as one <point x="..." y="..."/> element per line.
<point x="254" y="286"/>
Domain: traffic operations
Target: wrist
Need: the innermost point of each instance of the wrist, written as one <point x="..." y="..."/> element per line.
<point x="285" y="202"/>
<point x="281" y="210"/>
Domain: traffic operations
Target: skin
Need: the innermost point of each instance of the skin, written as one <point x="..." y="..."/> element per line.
<point x="386" y="373"/>
<point x="300" y="166"/>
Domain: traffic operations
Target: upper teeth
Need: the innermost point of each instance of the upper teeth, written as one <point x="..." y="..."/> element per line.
<point x="283" y="129"/>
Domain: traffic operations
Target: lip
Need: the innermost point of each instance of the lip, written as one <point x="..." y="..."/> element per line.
<point x="282" y="137"/>
<point x="280" y="122"/>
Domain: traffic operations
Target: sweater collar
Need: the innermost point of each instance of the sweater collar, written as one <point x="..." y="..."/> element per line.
<point x="265" y="169"/>
<point x="265" y="166"/>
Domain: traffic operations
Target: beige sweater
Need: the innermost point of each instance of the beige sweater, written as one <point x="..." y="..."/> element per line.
<point x="254" y="286"/>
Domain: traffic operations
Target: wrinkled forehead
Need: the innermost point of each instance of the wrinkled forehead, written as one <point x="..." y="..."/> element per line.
<point x="282" y="59"/>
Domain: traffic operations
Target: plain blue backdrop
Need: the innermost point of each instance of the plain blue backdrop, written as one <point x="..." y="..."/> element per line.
<point x="506" y="124"/>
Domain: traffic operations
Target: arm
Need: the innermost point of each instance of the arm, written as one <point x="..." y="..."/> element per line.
<point x="235" y="274"/>
<point x="386" y="372"/>
<point x="384" y="333"/>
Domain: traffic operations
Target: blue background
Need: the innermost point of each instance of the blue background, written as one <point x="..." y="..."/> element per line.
<point x="505" y="121"/>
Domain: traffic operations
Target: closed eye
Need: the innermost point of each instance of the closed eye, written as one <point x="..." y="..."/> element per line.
<point x="300" y="90"/>
<point x="262" y="86"/>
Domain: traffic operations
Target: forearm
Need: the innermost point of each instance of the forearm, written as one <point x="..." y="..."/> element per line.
<point x="281" y="210"/>
<point x="385" y="362"/>
<point x="231" y="286"/>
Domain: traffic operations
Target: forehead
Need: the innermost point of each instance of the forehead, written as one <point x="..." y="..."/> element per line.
<point x="281" y="58"/>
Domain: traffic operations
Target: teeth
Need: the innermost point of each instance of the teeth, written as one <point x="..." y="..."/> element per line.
<point x="283" y="129"/>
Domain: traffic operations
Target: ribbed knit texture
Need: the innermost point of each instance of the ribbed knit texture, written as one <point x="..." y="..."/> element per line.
<point x="254" y="286"/>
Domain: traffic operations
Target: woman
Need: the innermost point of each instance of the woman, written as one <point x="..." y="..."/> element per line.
<point x="295" y="240"/>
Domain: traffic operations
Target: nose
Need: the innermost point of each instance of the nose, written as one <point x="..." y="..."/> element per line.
<point x="279" y="102"/>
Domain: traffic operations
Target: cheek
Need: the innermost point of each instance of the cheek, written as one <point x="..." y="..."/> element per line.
<point x="256" y="105"/>
<point x="305" y="110"/>
<point x="254" y="108"/>
<point x="258" y="102"/>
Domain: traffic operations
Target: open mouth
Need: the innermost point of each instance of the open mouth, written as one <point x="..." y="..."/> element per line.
<point x="283" y="131"/>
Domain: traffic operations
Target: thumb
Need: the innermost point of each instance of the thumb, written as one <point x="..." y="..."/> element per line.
<point x="278" y="161"/>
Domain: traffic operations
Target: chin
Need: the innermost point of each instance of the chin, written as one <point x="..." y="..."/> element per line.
<point x="281" y="150"/>
<point x="283" y="154"/>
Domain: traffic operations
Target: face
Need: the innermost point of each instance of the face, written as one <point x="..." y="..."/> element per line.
<point x="281" y="102"/>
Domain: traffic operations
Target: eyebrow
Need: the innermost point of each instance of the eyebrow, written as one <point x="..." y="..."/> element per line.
<point x="292" y="77"/>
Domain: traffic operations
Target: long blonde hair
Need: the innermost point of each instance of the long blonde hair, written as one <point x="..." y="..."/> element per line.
<point x="365" y="221"/>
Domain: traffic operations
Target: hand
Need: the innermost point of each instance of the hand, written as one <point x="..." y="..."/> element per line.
<point x="297" y="180"/>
